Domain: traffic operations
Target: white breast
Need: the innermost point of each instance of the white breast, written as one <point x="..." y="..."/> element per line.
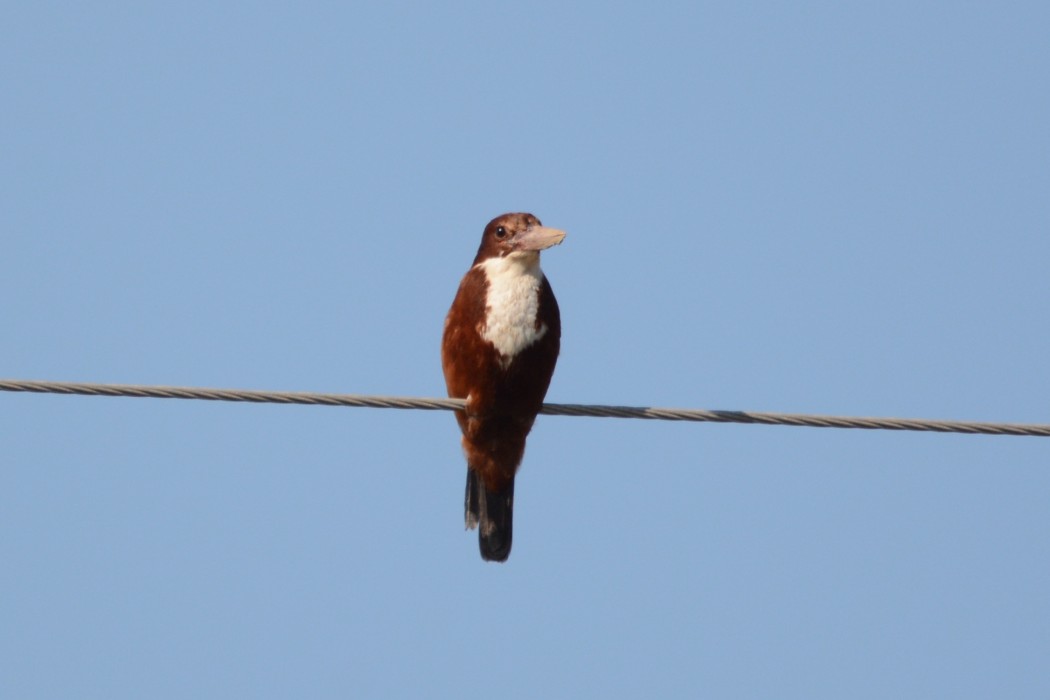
<point x="512" y="304"/>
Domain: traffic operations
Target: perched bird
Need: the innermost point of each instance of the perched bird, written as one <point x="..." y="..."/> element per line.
<point x="500" y="345"/>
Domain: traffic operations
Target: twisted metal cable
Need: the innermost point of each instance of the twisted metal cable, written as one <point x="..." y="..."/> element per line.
<point x="553" y="409"/>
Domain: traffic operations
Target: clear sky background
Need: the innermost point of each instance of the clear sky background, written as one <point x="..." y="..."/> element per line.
<point x="807" y="207"/>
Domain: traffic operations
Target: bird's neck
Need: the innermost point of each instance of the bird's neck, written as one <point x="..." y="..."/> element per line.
<point x="512" y="303"/>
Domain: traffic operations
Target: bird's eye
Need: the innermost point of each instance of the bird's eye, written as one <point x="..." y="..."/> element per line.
<point x="501" y="232"/>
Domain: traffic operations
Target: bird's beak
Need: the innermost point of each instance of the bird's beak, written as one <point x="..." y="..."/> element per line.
<point x="539" y="238"/>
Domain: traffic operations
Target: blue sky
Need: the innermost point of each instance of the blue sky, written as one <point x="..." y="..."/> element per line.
<point x="819" y="207"/>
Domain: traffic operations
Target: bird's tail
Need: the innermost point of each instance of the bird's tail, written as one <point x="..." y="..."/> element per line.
<point x="492" y="513"/>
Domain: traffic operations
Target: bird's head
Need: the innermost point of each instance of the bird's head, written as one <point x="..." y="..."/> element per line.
<point x="516" y="235"/>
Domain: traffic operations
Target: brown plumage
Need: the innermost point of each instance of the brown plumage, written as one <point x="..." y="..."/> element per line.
<point x="499" y="348"/>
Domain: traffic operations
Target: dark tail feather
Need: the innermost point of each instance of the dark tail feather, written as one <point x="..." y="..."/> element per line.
<point x="494" y="512"/>
<point x="471" y="505"/>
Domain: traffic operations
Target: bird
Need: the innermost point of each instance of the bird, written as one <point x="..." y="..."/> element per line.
<point x="499" y="347"/>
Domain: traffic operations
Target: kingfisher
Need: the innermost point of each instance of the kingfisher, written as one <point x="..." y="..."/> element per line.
<point x="498" y="351"/>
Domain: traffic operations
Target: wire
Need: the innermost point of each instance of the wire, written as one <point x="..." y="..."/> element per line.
<point x="553" y="409"/>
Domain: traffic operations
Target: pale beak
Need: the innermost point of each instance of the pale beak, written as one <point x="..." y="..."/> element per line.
<point x="539" y="238"/>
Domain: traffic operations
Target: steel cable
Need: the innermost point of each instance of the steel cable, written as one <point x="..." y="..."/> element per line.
<point x="553" y="409"/>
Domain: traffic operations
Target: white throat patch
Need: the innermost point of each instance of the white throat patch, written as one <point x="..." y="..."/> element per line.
<point x="512" y="304"/>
